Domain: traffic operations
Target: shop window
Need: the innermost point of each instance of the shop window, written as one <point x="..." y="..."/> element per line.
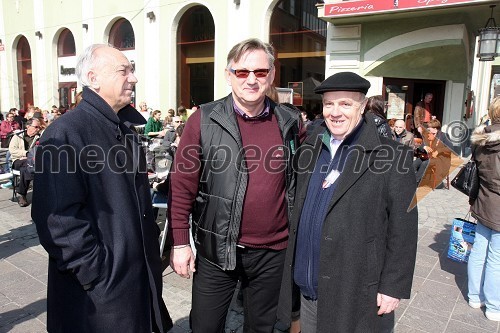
<point x="66" y="44"/>
<point x="122" y="35"/>
<point x="299" y="38"/>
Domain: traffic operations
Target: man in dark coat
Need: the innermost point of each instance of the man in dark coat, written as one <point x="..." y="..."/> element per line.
<point x="352" y="243"/>
<point x="93" y="211"/>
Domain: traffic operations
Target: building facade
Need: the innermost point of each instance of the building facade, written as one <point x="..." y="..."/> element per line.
<point x="178" y="48"/>
<point x="412" y="47"/>
<point x="405" y="48"/>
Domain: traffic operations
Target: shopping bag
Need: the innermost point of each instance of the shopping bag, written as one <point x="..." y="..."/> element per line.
<point x="462" y="236"/>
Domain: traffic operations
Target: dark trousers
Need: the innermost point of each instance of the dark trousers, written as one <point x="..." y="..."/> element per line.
<point x="420" y="166"/>
<point x="309" y="321"/>
<point x="25" y="178"/>
<point x="260" y="272"/>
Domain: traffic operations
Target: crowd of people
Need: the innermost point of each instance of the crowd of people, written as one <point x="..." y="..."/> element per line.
<point x="311" y="218"/>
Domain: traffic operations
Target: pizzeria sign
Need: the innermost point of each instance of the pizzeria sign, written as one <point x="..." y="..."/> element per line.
<point x="348" y="8"/>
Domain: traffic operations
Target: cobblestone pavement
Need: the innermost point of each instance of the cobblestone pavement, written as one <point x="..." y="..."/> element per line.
<point x="438" y="301"/>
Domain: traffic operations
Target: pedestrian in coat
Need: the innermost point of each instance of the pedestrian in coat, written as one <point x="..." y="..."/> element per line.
<point x="400" y="134"/>
<point x="353" y="239"/>
<point x="483" y="269"/>
<point x="93" y="211"/>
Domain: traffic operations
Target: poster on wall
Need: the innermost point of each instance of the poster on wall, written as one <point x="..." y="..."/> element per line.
<point x="298" y="92"/>
<point x="396" y="105"/>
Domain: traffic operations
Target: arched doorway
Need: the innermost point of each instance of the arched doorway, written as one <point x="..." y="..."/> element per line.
<point x="299" y="38"/>
<point x="195" y="51"/>
<point x="122" y="37"/>
<point x="66" y="63"/>
<point x="24" y="73"/>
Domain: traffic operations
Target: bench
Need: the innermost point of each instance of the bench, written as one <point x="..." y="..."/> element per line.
<point x="5" y="176"/>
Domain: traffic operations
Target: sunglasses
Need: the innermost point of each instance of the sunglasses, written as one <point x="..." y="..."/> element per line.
<point x="178" y="121"/>
<point x="243" y="73"/>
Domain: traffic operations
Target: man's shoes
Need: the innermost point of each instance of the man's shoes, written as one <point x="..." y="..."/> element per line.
<point x="22" y="201"/>
<point x="6" y="185"/>
<point x="494" y="316"/>
<point x="476" y="305"/>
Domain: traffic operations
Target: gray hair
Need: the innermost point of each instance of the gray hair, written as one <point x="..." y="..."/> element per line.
<point x="247" y="45"/>
<point x="86" y="62"/>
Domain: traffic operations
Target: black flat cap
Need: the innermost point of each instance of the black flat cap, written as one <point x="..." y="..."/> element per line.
<point x="344" y="81"/>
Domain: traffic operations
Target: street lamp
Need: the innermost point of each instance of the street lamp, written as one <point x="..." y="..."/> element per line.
<point x="489" y="45"/>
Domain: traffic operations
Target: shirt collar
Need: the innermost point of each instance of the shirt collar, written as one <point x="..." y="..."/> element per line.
<point x="263" y="114"/>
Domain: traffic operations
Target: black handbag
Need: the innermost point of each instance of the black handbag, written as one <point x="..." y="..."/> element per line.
<point x="467" y="180"/>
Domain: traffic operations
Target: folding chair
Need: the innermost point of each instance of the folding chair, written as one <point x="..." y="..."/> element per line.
<point x="165" y="228"/>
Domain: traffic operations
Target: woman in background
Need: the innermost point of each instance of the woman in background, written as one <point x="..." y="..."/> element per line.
<point x="484" y="262"/>
<point x="7" y="127"/>
<point x="154" y="126"/>
<point x="376" y="106"/>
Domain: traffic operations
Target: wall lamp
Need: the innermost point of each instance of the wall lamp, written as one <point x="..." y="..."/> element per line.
<point x="85" y="26"/>
<point x="38" y="34"/>
<point x="151" y="15"/>
<point x="489" y="45"/>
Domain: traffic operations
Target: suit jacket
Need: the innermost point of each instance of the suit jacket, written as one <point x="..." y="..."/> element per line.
<point x="369" y="238"/>
<point x="93" y="213"/>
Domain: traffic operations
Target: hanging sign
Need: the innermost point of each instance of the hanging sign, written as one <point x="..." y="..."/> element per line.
<point x="348" y="8"/>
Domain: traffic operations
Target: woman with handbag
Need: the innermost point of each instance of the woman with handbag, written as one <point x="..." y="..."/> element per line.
<point x="484" y="262"/>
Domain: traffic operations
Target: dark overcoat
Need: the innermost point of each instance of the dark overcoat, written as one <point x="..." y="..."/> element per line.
<point x="369" y="238"/>
<point x="93" y="213"/>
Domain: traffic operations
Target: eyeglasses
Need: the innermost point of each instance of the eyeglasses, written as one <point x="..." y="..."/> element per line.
<point x="243" y="73"/>
<point x="178" y="121"/>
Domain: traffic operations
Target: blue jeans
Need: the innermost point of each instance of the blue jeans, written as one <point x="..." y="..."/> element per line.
<point x="483" y="269"/>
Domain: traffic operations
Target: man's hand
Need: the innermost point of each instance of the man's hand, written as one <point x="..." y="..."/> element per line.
<point x="386" y="304"/>
<point x="428" y="149"/>
<point x="182" y="261"/>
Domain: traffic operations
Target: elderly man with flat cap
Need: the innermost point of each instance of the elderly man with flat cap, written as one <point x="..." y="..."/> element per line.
<point x="353" y="239"/>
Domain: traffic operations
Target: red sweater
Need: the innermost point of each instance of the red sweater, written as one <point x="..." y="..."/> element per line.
<point x="264" y="221"/>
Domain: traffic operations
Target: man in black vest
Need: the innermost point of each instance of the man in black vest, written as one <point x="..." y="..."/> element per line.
<point x="233" y="172"/>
